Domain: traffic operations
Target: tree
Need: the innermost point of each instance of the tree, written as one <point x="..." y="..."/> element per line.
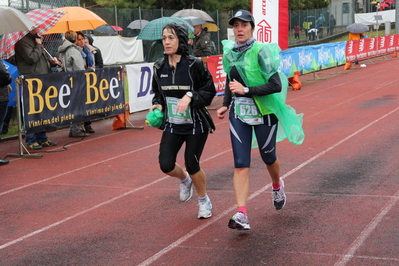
<point x="307" y="4"/>
<point x="205" y="5"/>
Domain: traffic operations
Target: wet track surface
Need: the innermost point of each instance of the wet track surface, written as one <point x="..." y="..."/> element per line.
<point x="104" y="201"/>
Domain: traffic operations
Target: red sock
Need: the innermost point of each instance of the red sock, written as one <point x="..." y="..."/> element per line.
<point x="276" y="186"/>
<point x="243" y="210"/>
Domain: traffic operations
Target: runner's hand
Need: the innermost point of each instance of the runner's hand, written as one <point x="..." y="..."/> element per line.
<point x="221" y="111"/>
<point x="182" y="105"/>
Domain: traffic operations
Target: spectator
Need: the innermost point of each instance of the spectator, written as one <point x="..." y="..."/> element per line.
<point x="98" y="58"/>
<point x="5" y="88"/>
<point x="331" y="25"/>
<point x="30" y="58"/>
<point x="320" y="25"/>
<point x="297" y="29"/>
<point x="71" y="55"/>
<point x="355" y="36"/>
<point x="306" y="27"/>
<point x="156" y="51"/>
<point x="312" y="34"/>
<point x="86" y="54"/>
<point x="202" y="42"/>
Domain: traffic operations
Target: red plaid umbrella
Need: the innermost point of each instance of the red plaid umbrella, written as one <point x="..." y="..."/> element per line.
<point x="44" y="20"/>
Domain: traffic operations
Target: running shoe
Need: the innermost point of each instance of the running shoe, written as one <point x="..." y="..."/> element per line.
<point x="186" y="190"/>
<point x="205" y="208"/>
<point x="239" y="221"/>
<point x="278" y="196"/>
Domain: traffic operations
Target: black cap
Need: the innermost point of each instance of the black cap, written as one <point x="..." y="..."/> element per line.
<point x="243" y="15"/>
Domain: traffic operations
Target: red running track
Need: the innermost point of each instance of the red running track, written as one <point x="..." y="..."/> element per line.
<point x="104" y="201"/>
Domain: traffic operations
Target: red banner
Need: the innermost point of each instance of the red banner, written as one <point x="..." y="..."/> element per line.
<point x="369" y="47"/>
<point x="215" y="67"/>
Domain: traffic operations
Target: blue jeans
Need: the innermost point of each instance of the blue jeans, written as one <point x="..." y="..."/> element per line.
<point x="37" y="137"/>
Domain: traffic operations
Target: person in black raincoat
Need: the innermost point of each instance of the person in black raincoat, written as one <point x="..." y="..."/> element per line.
<point x="183" y="87"/>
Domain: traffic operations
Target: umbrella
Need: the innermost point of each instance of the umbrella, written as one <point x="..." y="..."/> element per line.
<point x="195" y="13"/>
<point x="117" y="28"/>
<point x="194" y="20"/>
<point x="309" y="19"/>
<point x="390" y="2"/>
<point x="153" y="30"/>
<point x="138" y="24"/>
<point x="211" y="27"/>
<point x="384" y="4"/>
<point x="77" y="19"/>
<point x="43" y="20"/>
<point x="106" y="29"/>
<point x="13" y="20"/>
<point x="357" y="28"/>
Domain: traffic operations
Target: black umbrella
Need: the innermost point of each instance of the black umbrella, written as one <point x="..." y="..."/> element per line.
<point x="309" y="19"/>
<point x="106" y="29"/>
<point x="357" y="28"/>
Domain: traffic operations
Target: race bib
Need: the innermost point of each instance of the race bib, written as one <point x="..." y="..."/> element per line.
<point x="175" y="117"/>
<point x="247" y="112"/>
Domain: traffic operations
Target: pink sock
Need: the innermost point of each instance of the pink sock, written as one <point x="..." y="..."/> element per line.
<point x="276" y="186"/>
<point x="243" y="210"/>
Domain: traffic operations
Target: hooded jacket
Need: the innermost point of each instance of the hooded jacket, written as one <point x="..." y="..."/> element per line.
<point x="203" y="87"/>
<point x="71" y="57"/>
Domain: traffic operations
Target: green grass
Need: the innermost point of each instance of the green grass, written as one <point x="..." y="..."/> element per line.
<point x="12" y="131"/>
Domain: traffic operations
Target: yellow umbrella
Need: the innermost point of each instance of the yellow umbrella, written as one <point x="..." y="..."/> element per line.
<point x="211" y="26"/>
<point x="77" y="19"/>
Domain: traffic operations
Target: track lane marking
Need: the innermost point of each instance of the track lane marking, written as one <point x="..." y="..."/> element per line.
<point x="367" y="231"/>
<point x="96" y="206"/>
<point x="255" y="194"/>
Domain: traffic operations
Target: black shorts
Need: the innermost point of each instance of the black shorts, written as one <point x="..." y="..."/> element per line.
<point x="170" y="146"/>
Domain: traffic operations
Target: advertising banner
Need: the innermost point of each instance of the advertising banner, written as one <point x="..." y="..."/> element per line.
<point x="271" y="21"/>
<point x="60" y="99"/>
<point x="139" y="78"/>
<point x="215" y="67"/>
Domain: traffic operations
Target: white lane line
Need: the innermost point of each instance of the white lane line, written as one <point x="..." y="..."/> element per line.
<point x="77" y="169"/>
<point x="198" y="229"/>
<point x="367" y="231"/>
<point x="255" y="194"/>
<point x="96" y="206"/>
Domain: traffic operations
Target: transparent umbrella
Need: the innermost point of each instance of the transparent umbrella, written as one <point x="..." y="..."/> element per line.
<point x="138" y="24"/>
<point x="43" y="19"/>
<point x="357" y="28"/>
<point x="13" y="20"/>
<point x="194" y="20"/>
<point x="195" y="13"/>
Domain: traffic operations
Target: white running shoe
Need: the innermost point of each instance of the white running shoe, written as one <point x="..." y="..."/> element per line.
<point x="278" y="196"/>
<point x="186" y="190"/>
<point x="239" y="221"/>
<point x="205" y="208"/>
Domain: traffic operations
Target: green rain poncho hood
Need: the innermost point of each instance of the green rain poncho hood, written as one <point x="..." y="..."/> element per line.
<point x="255" y="66"/>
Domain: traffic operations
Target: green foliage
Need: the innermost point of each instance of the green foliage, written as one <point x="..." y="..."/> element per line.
<point x="307" y="4"/>
<point x="173" y="4"/>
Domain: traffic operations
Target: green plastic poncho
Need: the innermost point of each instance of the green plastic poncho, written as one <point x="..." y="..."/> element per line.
<point x="256" y="66"/>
